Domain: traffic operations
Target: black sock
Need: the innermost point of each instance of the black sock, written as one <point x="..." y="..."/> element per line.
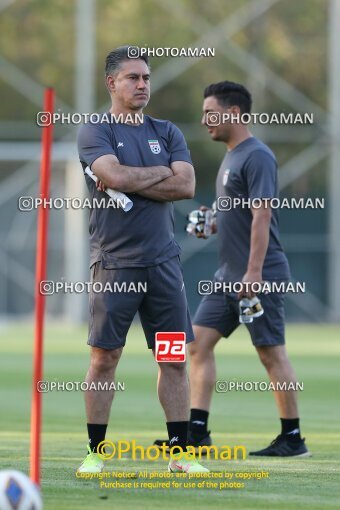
<point x="199" y="422"/>
<point x="96" y="435"/>
<point x="178" y="434"/>
<point x="291" y="428"/>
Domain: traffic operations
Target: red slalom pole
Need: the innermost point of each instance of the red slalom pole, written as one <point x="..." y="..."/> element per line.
<point x="40" y="275"/>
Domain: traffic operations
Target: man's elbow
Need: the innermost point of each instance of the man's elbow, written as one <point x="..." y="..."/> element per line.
<point x="112" y="177"/>
<point x="190" y="193"/>
<point x="118" y="184"/>
<point x="190" y="189"/>
<point x="187" y="193"/>
<point x="115" y="181"/>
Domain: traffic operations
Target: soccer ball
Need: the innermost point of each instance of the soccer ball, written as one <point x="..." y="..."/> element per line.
<point x="18" y="492"/>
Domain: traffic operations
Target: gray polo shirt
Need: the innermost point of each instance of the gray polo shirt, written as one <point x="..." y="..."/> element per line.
<point x="248" y="171"/>
<point x="144" y="236"/>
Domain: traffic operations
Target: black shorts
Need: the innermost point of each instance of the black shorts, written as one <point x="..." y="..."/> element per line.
<point x="156" y="292"/>
<point x="221" y="311"/>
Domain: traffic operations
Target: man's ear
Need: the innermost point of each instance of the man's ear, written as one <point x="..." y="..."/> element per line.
<point x="235" y="110"/>
<point x="110" y="83"/>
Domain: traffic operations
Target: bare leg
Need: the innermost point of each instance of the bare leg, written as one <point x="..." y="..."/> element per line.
<point x="173" y="391"/>
<point x="102" y="369"/>
<point x="202" y="366"/>
<point x="279" y="369"/>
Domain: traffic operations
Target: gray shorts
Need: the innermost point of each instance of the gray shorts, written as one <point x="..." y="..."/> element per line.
<point x="162" y="305"/>
<point x="220" y="311"/>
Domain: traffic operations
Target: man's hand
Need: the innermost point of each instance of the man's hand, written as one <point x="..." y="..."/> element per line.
<point x="202" y="222"/>
<point x="249" y="278"/>
<point x="100" y="185"/>
<point x="201" y="235"/>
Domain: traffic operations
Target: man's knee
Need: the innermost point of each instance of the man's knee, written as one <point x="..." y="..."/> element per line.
<point x="204" y="343"/>
<point x="173" y="368"/>
<point x="272" y="356"/>
<point x="103" y="360"/>
<point x="199" y="351"/>
<point x="194" y="349"/>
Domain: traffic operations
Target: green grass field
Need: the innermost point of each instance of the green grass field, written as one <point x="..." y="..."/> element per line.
<point x="246" y="418"/>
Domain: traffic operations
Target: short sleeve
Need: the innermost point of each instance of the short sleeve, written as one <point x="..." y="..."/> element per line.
<point x="261" y="175"/>
<point x="177" y="145"/>
<point x="94" y="141"/>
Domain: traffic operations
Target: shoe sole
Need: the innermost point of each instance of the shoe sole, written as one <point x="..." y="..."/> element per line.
<point x="305" y="455"/>
<point x="90" y="472"/>
<point x="192" y="472"/>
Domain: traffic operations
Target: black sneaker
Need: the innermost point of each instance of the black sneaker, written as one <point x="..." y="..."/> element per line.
<point x="199" y="440"/>
<point x="281" y="447"/>
<point x="196" y="441"/>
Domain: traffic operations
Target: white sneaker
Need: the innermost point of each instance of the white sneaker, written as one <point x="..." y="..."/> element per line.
<point x="185" y="463"/>
<point x="92" y="463"/>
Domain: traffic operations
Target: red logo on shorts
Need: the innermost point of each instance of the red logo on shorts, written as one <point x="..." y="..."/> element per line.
<point x="170" y="346"/>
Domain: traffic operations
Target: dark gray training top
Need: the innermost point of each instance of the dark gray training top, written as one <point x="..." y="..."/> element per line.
<point x="248" y="171"/>
<point x="144" y="236"/>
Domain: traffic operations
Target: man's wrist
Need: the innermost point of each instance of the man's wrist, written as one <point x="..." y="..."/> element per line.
<point x="254" y="270"/>
<point x="168" y="171"/>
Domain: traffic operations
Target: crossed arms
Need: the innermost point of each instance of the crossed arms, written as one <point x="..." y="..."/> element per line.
<point x="159" y="183"/>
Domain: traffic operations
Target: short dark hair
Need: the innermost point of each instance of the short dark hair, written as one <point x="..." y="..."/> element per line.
<point x="119" y="55"/>
<point x="229" y="93"/>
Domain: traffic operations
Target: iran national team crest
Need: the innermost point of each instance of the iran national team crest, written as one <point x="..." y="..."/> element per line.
<point x="225" y="176"/>
<point x="154" y="146"/>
